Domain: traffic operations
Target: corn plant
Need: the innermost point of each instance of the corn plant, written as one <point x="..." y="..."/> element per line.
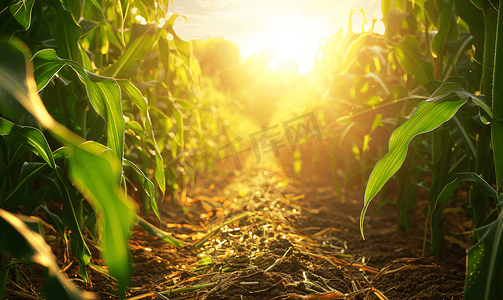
<point x="96" y="97"/>
<point x="465" y="128"/>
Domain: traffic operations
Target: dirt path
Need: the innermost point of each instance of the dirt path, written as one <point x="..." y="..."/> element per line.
<point x="286" y="241"/>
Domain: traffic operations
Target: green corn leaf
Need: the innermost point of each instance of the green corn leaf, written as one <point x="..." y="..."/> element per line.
<point x="132" y="92"/>
<point x="28" y="172"/>
<point x="87" y="26"/>
<point x="9" y="106"/>
<point x="353" y="51"/>
<point x="430" y="114"/>
<point x="34" y="139"/>
<point x="485" y="263"/>
<point x="448" y="29"/>
<point x="17" y="17"/>
<point x="98" y="183"/>
<point x="30" y="137"/>
<point x="65" y="31"/>
<point x="21" y="242"/>
<point x="431" y="12"/>
<point x="148" y="186"/>
<point x="99" y="186"/>
<point x="412" y="60"/>
<point x="130" y="61"/>
<point x="483" y="186"/>
<point x="104" y="94"/>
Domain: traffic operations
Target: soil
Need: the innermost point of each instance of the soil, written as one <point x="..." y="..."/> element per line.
<point x="289" y="240"/>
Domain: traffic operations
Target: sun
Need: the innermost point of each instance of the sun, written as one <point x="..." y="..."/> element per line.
<point x="292" y="37"/>
<point x="295" y="37"/>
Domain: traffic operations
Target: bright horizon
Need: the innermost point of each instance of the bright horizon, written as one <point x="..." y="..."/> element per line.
<point x="293" y="29"/>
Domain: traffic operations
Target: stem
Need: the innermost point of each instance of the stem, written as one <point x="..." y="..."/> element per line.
<point x="497" y="123"/>
<point x="490" y="15"/>
<point x="439" y="65"/>
<point x="427" y="36"/>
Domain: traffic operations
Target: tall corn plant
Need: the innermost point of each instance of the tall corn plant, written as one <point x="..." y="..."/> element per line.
<point x="119" y="99"/>
<point x="448" y="102"/>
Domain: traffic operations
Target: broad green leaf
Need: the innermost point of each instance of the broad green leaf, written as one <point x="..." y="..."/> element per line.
<point x="130" y="61"/>
<point x="353" y="52"/>
<point x="17" y="17"/>
<point x="483" y="186"/>
<point x="74" y="7"/>
<point x="431" y="12"/>
<point x="99" y="183"/>
<point x="105" y="44"/>
<point x="485" y="263"/>
<point x="116" y="215"/>
<point x="448" y="29"/>
<point x="430" y="114"/>
<point x="104" y="94"/>
<point x="30" y="137"/>
<point x="21" y="242"/>
<point x="65" y="31"/>
<point x="412" y="60"/>
<point x="87" y="26"/>
<point x="13" y="71"/>
<point x="84" y="60"/>
<point x="28" y="172"/>
<point x="33" y="139"/>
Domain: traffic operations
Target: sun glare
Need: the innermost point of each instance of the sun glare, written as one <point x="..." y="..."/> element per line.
<point x="298" y="38"/>
<point x="292" y="38"/>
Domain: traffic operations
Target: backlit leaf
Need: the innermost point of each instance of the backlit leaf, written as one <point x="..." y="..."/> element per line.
<point x="412" y="60"/>
<point x="104" y="94"/>
<point x="94" y="168"/>
<point x="430" y="114"/>
<point x="130" y="61"/>
<point x="17" y="17"/>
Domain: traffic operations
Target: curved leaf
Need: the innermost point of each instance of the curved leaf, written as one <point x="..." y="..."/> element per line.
<point x="99" y="185"/>
<point x="412" y="60"/>
<point x="137" y="98"/>
<point x="104" y="94"/>
<point x="95" y="171"/>
<point x="65" y="31"/>
<point x="352" y="52"/>
<point x="430" y="114"/>
<point x="130" y="61"/>
<point x="17" y="17"/>
<point x="21" y="242"/>
<point x="148" y="186"/>
<point x="448" y="29"/>
<point x="483" y="186"/>
<point x="485" y="263"/>
<point x="30" y="137"/>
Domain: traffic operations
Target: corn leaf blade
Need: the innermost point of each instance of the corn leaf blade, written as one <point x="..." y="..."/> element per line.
<point x="430" y="114"/>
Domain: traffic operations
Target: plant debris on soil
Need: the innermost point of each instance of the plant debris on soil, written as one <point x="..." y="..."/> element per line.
<point x="257" y="234"/>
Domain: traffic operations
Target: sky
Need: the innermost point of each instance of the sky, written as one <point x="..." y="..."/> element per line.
<point x="294" y="28"/>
